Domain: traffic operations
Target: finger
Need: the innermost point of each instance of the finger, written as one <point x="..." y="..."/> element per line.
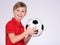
<point x="34" y="28"/>
<point x="35" y="33"/>
<point x="28" y="26"/>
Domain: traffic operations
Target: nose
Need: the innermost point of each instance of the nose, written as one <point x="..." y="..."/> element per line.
<point x="20" y="12"/>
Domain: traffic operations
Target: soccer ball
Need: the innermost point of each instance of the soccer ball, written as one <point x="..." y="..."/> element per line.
<point x="36" y="22"/>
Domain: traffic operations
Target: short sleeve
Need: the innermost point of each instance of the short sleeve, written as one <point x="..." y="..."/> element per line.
<point x="10" y="28"/>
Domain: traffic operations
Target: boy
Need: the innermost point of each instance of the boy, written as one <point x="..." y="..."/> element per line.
<point x="15" y="34"/>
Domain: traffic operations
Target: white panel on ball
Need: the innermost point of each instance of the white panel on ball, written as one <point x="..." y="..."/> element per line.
<point x="39" y="26"/>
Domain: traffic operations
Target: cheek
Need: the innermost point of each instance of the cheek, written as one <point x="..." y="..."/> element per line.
<point x="24" y="14"/>
<point x="15" y="13"/>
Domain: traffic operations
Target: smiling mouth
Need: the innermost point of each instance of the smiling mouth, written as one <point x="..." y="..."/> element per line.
<point x="19" y="16"/>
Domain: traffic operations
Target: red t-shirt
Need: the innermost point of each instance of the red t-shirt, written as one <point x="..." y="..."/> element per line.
<point x="13" y="26"/>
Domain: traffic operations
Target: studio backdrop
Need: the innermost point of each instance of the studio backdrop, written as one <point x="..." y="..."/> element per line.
<point x="48" y="11"/>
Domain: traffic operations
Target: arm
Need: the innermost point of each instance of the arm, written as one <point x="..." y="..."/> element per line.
<point x="26" y="40"/>
<point x="15" y="38"/>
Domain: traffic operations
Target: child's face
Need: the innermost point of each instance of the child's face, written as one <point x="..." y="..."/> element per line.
<point x="19" y="13"/>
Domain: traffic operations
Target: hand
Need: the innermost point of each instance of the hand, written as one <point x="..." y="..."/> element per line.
<point x="31" y="30"/>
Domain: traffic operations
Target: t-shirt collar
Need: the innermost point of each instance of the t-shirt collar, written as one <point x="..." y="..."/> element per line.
<point x="18" y="23"/>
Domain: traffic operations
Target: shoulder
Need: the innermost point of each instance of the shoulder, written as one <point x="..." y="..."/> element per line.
<point x="10" y="23"/>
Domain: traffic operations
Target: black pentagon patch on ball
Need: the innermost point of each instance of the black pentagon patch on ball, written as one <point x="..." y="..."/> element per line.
<point x="42" y="27"/>
<point x="35" y="22"/>
<point x="27" y="26"/>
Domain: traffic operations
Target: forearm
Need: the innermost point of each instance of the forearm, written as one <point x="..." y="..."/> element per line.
<point x="26" y="40"/>
<point x="17" y="38"/>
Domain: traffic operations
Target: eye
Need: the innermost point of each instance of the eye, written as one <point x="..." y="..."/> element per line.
<point x="17" y="10"/>
<point x="22" y="11"/>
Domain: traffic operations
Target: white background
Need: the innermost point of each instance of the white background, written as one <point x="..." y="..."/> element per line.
<point x="48" y="11"/>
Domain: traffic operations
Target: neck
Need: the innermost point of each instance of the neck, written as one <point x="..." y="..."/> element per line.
<point x="17" y="19"/>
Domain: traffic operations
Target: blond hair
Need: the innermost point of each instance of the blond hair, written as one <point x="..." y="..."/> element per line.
<point x="19" y="4"/>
